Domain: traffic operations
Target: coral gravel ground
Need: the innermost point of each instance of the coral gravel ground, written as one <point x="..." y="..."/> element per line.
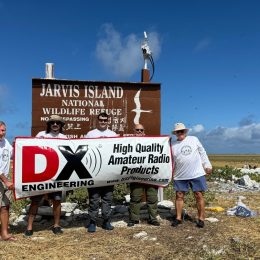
<point x="230" y="238"/>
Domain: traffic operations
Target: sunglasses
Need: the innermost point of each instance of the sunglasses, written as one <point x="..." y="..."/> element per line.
<point x="180" y="132"/>
<point x="102" y="120"/>
<point x="139" y="130"/>
<point x="55" y="122"/>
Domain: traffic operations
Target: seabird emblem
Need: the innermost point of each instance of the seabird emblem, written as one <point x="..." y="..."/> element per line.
<point x="138" y="109"/>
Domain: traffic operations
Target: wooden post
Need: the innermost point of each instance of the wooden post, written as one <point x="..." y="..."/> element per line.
<point x="145" y="76"/>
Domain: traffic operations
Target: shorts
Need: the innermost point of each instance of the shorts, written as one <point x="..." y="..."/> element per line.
<point x="52" y="196"/>
<point x="5" y="195"/>
<point x="197" y="184"/>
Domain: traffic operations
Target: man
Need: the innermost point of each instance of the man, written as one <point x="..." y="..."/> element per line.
<point x="136" y="192"/>
<point x="54" y="130"/>
<point x="6" y="185"/>
<point x="191" y="165"/>
<point x="103" y="193"/>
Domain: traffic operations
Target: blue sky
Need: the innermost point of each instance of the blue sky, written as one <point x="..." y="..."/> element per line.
<point x="206" y="53"/>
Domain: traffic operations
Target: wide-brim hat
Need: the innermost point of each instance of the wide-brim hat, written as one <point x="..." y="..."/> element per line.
<point x="56" y="118"/>
<point x="178" y="127"/>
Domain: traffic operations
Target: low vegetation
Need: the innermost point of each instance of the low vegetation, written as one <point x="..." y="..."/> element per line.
<point x="229" y="238"/>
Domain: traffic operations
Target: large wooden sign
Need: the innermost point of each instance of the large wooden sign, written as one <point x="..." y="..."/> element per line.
<point x="79" y="103"/>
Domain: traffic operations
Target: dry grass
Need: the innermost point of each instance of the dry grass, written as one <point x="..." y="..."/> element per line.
<point x="230" y="238"/>
<point x="234" y="160"/>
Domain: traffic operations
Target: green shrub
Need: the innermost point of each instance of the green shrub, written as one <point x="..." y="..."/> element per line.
<point x="18" y="205"/>
<point x="224" y="173"/>
<point x="227" y="172"/>
<point x="168" y="192"/>
<point x="120" y="190"/>
<point x="189" y="200"/>
<point x="79" y="196"/>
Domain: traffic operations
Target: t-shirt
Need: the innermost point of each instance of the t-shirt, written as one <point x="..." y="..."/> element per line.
<point x="96" y="133"/>
<point x="50" y="135"/>
<point x="190" y="158"/>
<point x="6" y="152"/>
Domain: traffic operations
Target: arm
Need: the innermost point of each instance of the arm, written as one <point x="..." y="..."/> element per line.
<point x="4" y="167"/>
<point x="7" y="183"/>
<point x="204" y="158"/>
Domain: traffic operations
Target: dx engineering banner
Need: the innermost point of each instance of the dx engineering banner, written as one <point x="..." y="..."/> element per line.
<point x="43" y="165"/>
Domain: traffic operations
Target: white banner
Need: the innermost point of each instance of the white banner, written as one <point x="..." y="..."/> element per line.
<point x="43" y="165"/>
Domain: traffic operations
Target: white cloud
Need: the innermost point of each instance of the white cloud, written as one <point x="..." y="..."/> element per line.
<point x="242" y="139"/>
<point x="197" y="128"/>
<point x="248" y="120"/>
<point x="202" y="45"/>
<point x="122" y="56"/>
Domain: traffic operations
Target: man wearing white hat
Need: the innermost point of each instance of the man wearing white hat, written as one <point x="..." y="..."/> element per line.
<point x="191" y="165"/>
<point x="54" y="129"/>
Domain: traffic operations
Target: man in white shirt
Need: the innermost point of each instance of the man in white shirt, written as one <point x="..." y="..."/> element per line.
<point x="104" y="193"/>
<point x="54" y="129"/>
<point x="6" y="186"/>
<point x="191" y="163"/>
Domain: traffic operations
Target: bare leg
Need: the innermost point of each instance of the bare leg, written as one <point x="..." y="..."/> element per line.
<point x="56" y="212"/>
<point x="4" y="217"/>
<point x="179" y="204"/>
<point x="32" y="212"/>
<point x="200" y="205"/>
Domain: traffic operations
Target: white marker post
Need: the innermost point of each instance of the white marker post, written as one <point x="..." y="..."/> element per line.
<point x="49" y="70"/>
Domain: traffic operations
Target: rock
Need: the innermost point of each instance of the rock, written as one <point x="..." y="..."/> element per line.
<point x="69" y="219"/>
<point x="69" y="214"/>
<point x="122" y="209"/>
<point x="212" y="220"/>
<point x="165" y="204"/>
<point x="38" y="238"/>
<point x="127" y="198"/>
<point x="149" y="238"/>
<point x="140" y="235"/>
<point x="20" y="221"/>
<point x="78" y="212"/>
<point x="64" y="223"/>
<point x="120" y="223"/>
<point x="68" y="207"/>
<point x="246" y="181"/>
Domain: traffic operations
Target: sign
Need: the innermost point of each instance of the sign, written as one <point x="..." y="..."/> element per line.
<point x="79" y="103"/>
<point x="43" y="165"/>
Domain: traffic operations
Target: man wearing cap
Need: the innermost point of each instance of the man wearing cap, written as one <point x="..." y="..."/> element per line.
<point x="104" y="193"/>
<point x="136" y="193"/>
<point x="191" y="165"/>
<point x="54" y="130"/>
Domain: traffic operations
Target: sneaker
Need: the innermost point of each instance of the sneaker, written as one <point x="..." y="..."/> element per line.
<point x="92" y="227"/>
<point x="57" y="230"/>
<point x="200" y="224"/>
<point x="107" y="225"/>
<point x="28" y="233"/>
<point x="176" y="222"/>
<point x="131" y="223"/>
<point x="153" y="222"/>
